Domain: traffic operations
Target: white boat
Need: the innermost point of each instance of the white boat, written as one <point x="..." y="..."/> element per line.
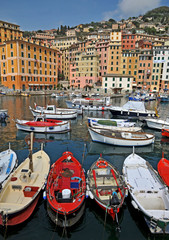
<point x="148" y="193"/>
<point x="55" y="113"/>
<point x="112" y="123"/>
<point x="90" y="104"/>
<point x="8" y="162"/>
<point x="121" y="138"/>
<point x="132" y="109"/>
<point x="21" y="192"/>
<point x="58" y="95"/>
<point x="43" y="125"/>
<point x="157" y="123"/>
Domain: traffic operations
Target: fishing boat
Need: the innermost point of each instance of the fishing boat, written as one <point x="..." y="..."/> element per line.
<point x="148" y="193"/>
<point x="165" y="132"/>
<point x="113" y="124"/>
<point x="65" y="191"/>
<point x="163" y="169"/>
<point x="51" y="111"/>
<point x="41" y="124"/>
<point x="121" y="138"/>
<point x="21" y="191"/>
<point x="106" y="186"/>
<point x="157" y="123"/>
<point x="90" y="104"/>
<point x="132" y="109"/>
<point x="8" y="162"/>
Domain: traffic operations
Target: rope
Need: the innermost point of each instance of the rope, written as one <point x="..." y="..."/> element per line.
<point x="105" y="222"/>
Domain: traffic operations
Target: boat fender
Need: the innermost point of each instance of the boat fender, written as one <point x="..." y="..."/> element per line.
<point x="51" y="128"/>
<point x="91" y="195"/>
<point x="28" y="189"/>
<point x="32" y="128"/>
<point x="134" y="204"/>
<point x="87" y="194"/>
<point x="44" y="195"/>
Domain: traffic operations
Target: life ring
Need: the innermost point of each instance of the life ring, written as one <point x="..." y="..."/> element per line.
<point x="101" y="164"/>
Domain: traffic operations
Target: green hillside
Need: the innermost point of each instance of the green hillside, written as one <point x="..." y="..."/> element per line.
<point x="158" y="15"/>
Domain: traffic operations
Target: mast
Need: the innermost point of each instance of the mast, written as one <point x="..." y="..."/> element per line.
<point x="30" y="144"/>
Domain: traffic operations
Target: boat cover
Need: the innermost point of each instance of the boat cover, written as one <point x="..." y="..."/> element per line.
<point x="134" y="105"/>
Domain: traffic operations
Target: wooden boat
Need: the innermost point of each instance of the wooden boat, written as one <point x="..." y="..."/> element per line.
<point x="65" y="191"/>
<point x="90" y="104"/>
<point x="157" y="123"/>
<point x="106" y="186"/>
<point x="55" y="113"/>
<point x="165" y="132"/>
<point x="21" y="191"/>
<point x="121" y="138"/>
<point x="8" y="162"/>
<point x="43" y="125"/>
<point x="163" y="169"/>
<point x="148" y="193"/>
<point x="132" y="109"/>
<point x="113" y="124"/>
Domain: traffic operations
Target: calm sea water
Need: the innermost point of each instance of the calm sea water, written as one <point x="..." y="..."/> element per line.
<point x="93" y="224"/>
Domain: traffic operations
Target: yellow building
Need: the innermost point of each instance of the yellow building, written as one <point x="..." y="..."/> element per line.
<point x="9" y="31"/>
<point x="114" y="53"/>
<point x="28" y="66"/>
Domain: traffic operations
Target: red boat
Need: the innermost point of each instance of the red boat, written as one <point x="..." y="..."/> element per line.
<point x="65" y="191"/>
<point x="163" y="169"/>
<point x="106" y="186"/>
<point x="165" y="132"/>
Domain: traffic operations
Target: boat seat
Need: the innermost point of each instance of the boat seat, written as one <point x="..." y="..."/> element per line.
<point x="16" y="187"/>
<point x="103" y="175"/>
<point x="108" y="187"/>
<point x="60" y="199"/>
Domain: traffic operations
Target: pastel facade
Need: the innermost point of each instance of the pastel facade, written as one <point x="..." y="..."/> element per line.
<point x="84" y="72"/>
<point x="28" y="66"/>
<point x="113" y="82"/>
<point x="9" y="31"/>
<point x="128" y="41"/>
<point x="64" y="42"/>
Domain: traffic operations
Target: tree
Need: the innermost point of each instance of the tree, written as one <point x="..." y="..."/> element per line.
<point x="133" y="31"/>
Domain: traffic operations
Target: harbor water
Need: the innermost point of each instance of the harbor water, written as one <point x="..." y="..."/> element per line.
<point x="94" y="224"/>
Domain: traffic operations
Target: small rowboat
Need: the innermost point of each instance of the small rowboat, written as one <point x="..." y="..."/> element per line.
<point x="21" y="191"/>
<point x="106" y="187"/>
<point x="121" y="138"/>
<point x="8" y="162"/>
<point x="149" y="194"/>
<point x="163" y="169"/>
<point x="43" y="125"/>
<point x="65" y="191"/>
<point x="165" y="132"/>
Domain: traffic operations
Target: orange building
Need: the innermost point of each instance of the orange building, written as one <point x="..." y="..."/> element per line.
<point x="9" y="31"/>
<point x="28" y="66"/>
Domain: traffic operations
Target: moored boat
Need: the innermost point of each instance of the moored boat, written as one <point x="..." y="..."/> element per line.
<point x="157" y="123"/>
<point x="121" y="138"/>
<point x="132" y="109"/>
<point x="163" y="169"/>
<point x="65" y="191"/>
<point x="148" y="193"/>
<point x="8" y="162"/>
<point x="113" y="124"/>
<point x="90" y="104"/>
<point x="106" y="186"/>
<point x="51" y="111"/>
<point x="165" y="132"/>
<point x="21" y="191"/>
<point x="43" y="125"/>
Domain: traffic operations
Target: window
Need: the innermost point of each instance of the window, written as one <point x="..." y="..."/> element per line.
<point x="11" y="54"/>
<point x="22" y="54"/>
<point x="23" y="70"/>
<point x="22" y="46"/>
<point x="105" y="84"/>
<point x="29" y="55"/>
<point x="22" y="62"/>
<point x="29" y="47"/>
<point x="12" y="70"/>
<point x="11" y="45"/>
<point x="12" y="62"/>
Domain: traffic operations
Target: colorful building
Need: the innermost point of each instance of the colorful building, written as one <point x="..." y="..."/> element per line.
<point x="28" y="66"/>
<point x="9" y="31"/>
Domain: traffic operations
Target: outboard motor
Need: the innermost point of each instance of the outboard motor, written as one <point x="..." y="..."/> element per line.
<point x="114" y="200"/>
<point x="3" y="117"/>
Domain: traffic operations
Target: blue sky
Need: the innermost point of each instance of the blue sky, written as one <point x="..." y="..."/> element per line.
<point x="48" y="14"/>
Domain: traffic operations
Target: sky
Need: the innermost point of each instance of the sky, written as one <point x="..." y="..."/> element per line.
<point x="48" y="14"/>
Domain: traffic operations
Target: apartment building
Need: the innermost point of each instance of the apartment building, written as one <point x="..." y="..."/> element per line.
<point x="9" y="31"/>
<point x="117" y="82"/>
<point x="28" y="66"/>
<point x="84" y="71"/>
<point x="65" y="42"/>
<point x="160" y="71"/>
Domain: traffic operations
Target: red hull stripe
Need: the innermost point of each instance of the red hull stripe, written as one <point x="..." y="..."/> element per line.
<point x="94" y="176"/>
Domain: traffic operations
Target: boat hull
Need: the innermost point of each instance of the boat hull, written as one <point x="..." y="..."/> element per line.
<point x="157" y="124"/>
<point x="87" y="107"/>
<point x="119" y="141"/>
<point x="60" y="128"/>
<point x="165" y="132"/>
<point x="126" y="113"/>
<point x="163" y="169"/>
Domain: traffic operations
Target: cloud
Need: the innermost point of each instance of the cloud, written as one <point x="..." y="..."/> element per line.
<point x="131" y="8"/>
